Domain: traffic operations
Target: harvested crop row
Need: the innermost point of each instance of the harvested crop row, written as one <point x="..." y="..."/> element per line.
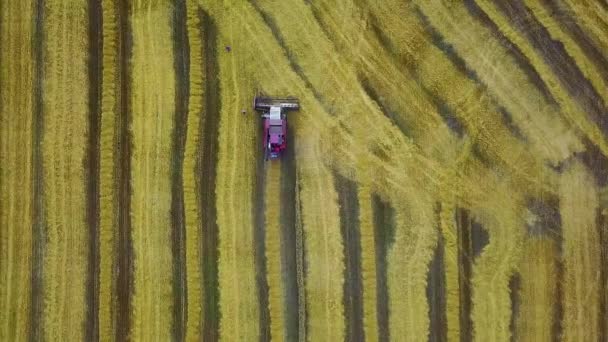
<point x="591" y="17"/>
<point x="153" y="85"/>
<point x="408" y="260"/>
<point x="569" y="108"/>
<point x="460" y="93"/>
<point x="505" y="81"/>
<point x="276" y="300"/>
<point x="64" y="141"/>
<point x="323" y="250"/>
<point x="239" y="302"/>
<point x="368" y="262"/>
<point x="107" y="182"/>
<point x="538" y="293"/>
<point x="590" y="70"/>
<point x="405" y="101"/>
<point x="16" y="188"/>
<point x="451" y="269"/>
<point x="192" y="213"/>
<point x="500" y="216"/>
<point x="581" y="255"/>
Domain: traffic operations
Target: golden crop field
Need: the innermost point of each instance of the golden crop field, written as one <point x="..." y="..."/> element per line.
<point x="445" y="177"/>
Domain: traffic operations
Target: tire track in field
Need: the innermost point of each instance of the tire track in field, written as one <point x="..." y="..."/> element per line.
<point x="92" y="169"/>
<point x="124" y="270"/>
<point x="289" y="246"/>
<point x="349" y="226"/>
<point x="207" y="166"/>
<point x="181" y="53"/>
<point x="38" y="229"/>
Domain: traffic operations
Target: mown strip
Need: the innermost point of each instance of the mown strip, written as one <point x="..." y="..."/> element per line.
<point x="368" y="268"/>
<point x="538" y="290"/>
<point x="384" y="217"/>
<point x="435" y="293"/>
<point x="17" y="182"/>
<point x="206" y="167"/>
<point x="181" y="62"/>
<point x="593" y="68"/>
<point x="581" y="255"/>
<point x="192" y="211"/>
<point x="38" y="220"/>
<point x="64" y="141"/>
<point x="153" y="110"/>
<point x="571" y="108"/>
<point x="236" y="186"/>
<point x="506" y="82"/>
<point x="290" y="248"/>
<point x="92" y="169"/>
<point x="349" y="228"/>
<point x="408" y="265"/>
<point x="272" y="249"/>
<point x="123" y="273"/>
<point x="108" y="182"/>
<point x="574" y="80"/>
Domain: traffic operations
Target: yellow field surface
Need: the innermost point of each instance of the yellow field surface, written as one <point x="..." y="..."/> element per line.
<point x="538" y="269"/>
<point x="16" y="157"/>
<point x="581" y="255"/>
<point x="153" y="85"/>
<point x="445" y="177"/>
<point x="63" y="152"/>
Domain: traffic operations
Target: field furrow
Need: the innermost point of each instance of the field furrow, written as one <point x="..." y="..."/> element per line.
<point x="152" y="99"/>
<point x="581" y="255"/>
<point x="16" y="157"/>
<point x="65" y="113"/>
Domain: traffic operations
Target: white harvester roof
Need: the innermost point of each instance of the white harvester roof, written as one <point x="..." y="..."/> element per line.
<point x="275" y="113"/>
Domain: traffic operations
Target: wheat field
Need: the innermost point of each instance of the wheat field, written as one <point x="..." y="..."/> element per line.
<point x="446" y="176"/>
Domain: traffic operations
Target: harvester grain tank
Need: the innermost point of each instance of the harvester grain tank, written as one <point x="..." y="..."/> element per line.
<point x="274" y="115"/>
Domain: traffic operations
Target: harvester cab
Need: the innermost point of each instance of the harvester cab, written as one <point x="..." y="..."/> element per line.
<point x="274" y="115"/>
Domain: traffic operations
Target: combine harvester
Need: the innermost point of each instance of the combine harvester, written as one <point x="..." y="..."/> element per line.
<point x="274" y="114"/>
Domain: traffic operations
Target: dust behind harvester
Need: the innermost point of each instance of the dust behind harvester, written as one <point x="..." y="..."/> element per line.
<point x="274" y="115"/>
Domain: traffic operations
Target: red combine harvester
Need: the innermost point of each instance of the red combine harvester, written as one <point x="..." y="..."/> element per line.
<point x="274" y="114"/>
